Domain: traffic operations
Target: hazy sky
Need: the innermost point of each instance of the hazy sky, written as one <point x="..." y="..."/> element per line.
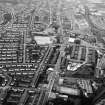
<point x="98" y="6"/>
<point x="90" y="1"/>
<point x="9" y="1"/>
<point x="16" y="1"/>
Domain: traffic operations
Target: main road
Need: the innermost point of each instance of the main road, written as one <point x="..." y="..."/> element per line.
<point x="55" y="74"/>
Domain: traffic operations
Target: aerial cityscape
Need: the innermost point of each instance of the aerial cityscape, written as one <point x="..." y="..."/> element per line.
<point x="52" y="52"/>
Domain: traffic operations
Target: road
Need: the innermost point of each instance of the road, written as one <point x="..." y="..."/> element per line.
<point x="55" y="74"/>
<point x="36" y="75"/>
